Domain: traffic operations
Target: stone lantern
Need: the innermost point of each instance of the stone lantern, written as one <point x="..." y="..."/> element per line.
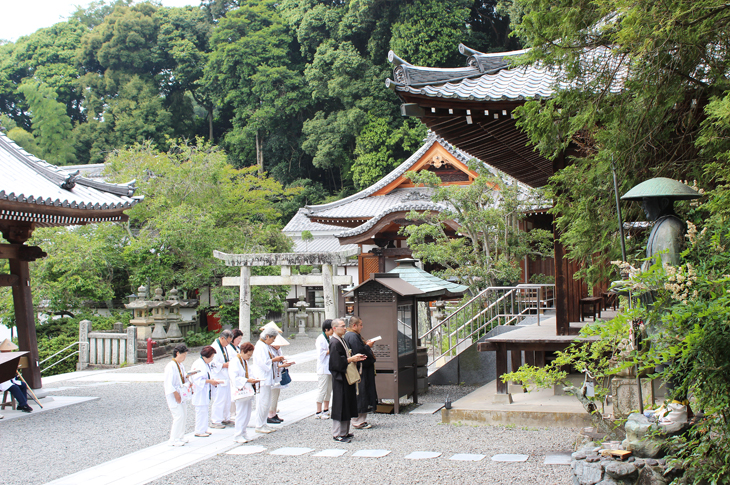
<point x="301" y="315"/>
<point x="173" y="316"/>
<point x="142" y="314"/>
<point x="159" y="309"/>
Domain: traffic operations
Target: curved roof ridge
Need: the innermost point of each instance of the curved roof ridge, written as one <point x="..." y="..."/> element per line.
<point x="420" y="206"/>
<point x="60" y="177"/>
<point x="430" y="139"/>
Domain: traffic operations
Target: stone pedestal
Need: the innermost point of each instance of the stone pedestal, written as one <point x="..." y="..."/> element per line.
<point x="502" y="399"/>
<point x="626" y="396"/>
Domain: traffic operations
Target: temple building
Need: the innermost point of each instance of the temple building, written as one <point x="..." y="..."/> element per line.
<point x="34" y="193"/>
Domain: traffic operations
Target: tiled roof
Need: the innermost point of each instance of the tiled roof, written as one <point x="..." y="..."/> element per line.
<point x="300" y="222"/>
<point x="488" y="77"/>
<point x="89" y="171"/>
<point x="432" y="138"/>
<point x="372" y="206"/>
<point x="37" y="190"/>
<point x="423" y="205"/>
<point x="321" y="244"/>
<point x="426" y="282"/>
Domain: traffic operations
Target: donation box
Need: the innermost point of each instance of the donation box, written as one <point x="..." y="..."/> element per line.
<point x="387" y="306"/>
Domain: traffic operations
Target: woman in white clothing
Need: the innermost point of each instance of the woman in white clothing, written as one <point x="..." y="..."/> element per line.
<point x="176" y="386"/>
<point x="263" y="369"/>
<point x="240" y="377"/>
<point x="273" y="417"/>
<point x="203" y="384"/>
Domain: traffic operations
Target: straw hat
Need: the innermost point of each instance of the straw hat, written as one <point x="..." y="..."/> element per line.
<point x="280" y="341"/>
<point x="7" y="346"/>
<point x="271" y="325"/>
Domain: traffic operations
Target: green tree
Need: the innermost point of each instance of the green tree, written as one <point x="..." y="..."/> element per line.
<point x="476" y="236"/>
<point x="427" y="31"/>
<point x="250" y="70"/>
<point x="51" y="125"/>
<point x="379" y="148"/>
<point x="195" y="202"/>
<point x="83" y="264"/>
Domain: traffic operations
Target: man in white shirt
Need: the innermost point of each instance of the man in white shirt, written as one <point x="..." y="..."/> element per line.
<point x="324" y="378"/>
<point x="221" y="411"/>
<point x="263" y="369"/>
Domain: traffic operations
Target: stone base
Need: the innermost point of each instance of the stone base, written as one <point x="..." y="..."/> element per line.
<point x="502" y="399"/>
<point x="590" y="468"/>
<point x="626" y="396"/>
<point x="159" y="349"/>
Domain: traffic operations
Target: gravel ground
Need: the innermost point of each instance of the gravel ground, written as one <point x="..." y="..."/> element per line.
<point x="402" y="435"/>
<point x="129" y="417"/>
<point x="132" y="416"/>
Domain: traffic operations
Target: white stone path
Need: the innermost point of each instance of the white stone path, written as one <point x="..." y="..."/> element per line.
<point x="160" y="460"/>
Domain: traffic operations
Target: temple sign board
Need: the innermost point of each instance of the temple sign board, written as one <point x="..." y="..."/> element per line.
<point x="328" y="280"/>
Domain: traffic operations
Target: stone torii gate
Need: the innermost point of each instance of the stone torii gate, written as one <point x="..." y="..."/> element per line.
<point x="328" y="261"/>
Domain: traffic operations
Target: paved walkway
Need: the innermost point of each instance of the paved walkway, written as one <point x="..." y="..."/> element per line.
<point x="160" y="460"/>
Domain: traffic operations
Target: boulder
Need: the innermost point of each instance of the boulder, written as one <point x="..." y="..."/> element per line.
<point x="639" y="439"/>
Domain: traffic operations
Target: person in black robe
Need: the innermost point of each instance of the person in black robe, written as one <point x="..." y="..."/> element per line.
<point x="367" y="397"/>
<point x="344" y="399"/>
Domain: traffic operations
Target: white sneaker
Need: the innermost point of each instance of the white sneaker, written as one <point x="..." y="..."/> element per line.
<point x="325" y="415"/>
<point x="264" y="429"/>
<point x="178" y="443"/>
<point x="241" y="440"/>
<point x="271" y="429"/>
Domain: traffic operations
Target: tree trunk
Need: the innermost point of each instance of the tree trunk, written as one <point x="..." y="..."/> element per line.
<point x="210" y="124"/>
<point x="259" y="154"/>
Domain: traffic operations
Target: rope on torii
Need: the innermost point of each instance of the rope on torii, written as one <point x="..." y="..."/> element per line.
<point x="328" y="261"/>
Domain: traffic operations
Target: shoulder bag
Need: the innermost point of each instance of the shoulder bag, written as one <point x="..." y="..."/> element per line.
<point x="285" y="377"/>
<point x="246" y="392"/>
<point x="351" y="374"/>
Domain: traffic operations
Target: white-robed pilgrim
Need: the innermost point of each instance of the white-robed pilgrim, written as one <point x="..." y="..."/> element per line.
<point x="221" y="395"/>
<point x="174" y="382"/>
<point x="239" y="372"/>
<point x="203" y="390"/>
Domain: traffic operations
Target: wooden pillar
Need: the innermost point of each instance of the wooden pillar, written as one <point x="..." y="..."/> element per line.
<point x="562" y="317"/>
<point x="244" y="304"/>
<point x="501" y="365"/>
<point x="516" y="358"/>
<point x="25" y="320"/>
<point x="330" y="306"/>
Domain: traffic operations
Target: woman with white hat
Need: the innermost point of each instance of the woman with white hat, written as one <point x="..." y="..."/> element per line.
<point x="264" y="361"/>
<point x="273" y="417"/>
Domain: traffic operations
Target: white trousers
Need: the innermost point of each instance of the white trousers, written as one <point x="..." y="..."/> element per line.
<point x="179" y="417"/>
<point x="243" y="415"/>
<point x="275" y="391"/>
<point x="221" y="404"/>
<point x="201" y="419"/>
<point x="263" y="400"/>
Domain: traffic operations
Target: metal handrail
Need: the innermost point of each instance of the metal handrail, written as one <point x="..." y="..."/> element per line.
<point x="66" y="347"/>
<point x="513" y="305"/>
<point x="58" y="362"/>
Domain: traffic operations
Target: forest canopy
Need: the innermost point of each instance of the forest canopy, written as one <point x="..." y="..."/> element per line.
<point x="294" y="87"/>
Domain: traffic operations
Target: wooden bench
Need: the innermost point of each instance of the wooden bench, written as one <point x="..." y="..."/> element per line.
<point x="594" y="303"/>
<point x="13" y="403"/>
<point x="609" y="300"/>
